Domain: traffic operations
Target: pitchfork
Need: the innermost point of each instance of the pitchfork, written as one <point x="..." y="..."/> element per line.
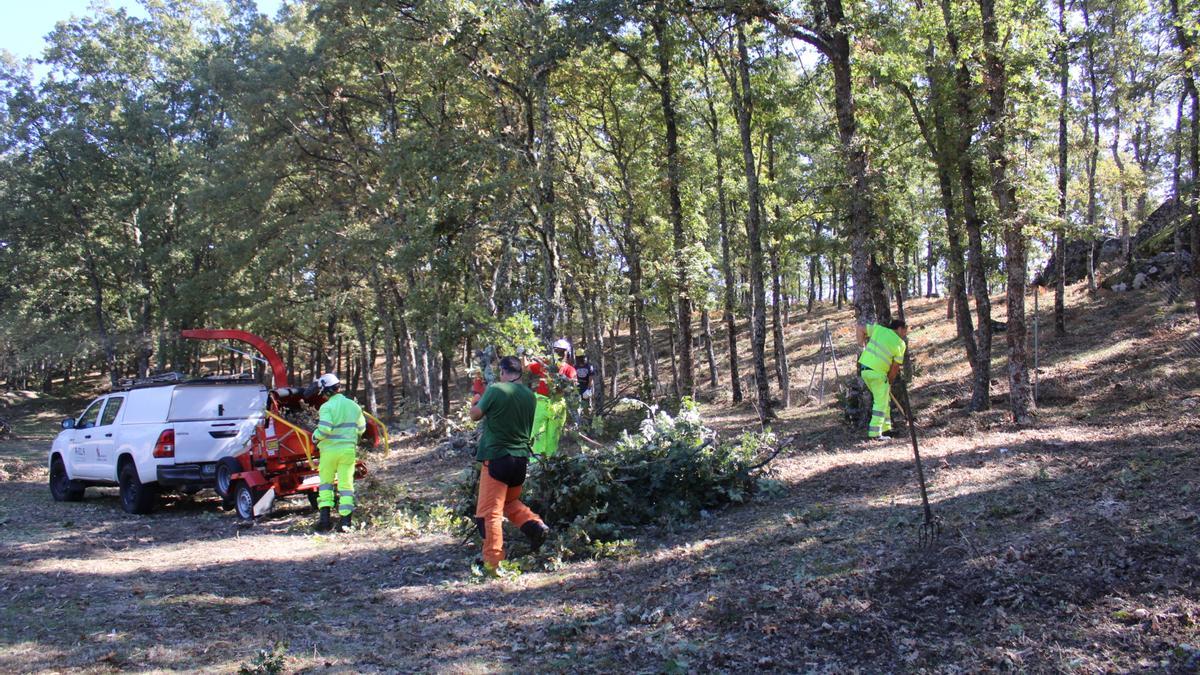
<point x="932" y="527"/>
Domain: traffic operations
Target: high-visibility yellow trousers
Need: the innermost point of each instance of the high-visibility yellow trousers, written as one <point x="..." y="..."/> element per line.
<point x="336" y="464"/>
<point x="548" y="420"/>
<point x="881" y="402"/>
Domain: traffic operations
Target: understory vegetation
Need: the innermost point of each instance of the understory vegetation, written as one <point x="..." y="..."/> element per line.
<point x="671" y="470"/>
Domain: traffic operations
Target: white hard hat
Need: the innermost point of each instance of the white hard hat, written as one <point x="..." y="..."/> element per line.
<point x="562" y="343"/>
<point x="328" y="380"/>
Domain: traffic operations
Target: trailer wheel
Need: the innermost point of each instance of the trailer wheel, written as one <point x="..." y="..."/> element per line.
<point x="62" y="488"/>
<point x="244" y="498"/>
<point x="224" y="480"/>
<point x="136" y="497"/>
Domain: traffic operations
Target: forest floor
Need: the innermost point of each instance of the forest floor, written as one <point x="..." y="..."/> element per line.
<point x="1070" y="545"/>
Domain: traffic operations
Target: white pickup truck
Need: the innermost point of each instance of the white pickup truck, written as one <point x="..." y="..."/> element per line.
<point x="156" y="435"/>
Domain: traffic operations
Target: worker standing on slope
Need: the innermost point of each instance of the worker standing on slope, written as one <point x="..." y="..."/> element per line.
<point x="551" y="413"/>
<point x="879" y="364"/>
<point x="340" y="425"/>
<point x="506" y="408"/>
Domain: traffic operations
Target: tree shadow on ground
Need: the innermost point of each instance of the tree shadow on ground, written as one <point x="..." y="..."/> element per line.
<point x="827" y="574"/>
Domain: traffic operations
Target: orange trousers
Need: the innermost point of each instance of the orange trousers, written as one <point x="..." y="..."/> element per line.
<point x="496" y="502"/>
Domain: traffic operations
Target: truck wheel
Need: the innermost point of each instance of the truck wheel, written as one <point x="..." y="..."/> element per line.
<point x="224" y="481"/>
<point x="244" y="498"/>
<point x="136" y="497"/>
<point x="62" y="488"/>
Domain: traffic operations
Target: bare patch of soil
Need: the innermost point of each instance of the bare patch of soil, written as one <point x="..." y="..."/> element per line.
<point x="1067" y="546"/>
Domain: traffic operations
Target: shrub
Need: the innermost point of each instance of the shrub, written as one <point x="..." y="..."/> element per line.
<point x="672" y="469"/>
<point x="266" y="662"/>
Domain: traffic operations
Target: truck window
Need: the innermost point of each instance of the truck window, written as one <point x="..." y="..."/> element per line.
<point x="111" y="409"/>
<point x="217" y="402"/>
<point x="88" y="419"/>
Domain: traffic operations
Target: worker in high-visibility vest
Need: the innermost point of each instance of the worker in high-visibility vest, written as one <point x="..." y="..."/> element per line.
<point x="879" y="364"/>
<point x="340" y="425"/>
<point x="551" y="413"/>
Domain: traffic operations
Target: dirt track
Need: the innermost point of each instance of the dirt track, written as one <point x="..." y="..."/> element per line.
<point x="1068" y="546"/>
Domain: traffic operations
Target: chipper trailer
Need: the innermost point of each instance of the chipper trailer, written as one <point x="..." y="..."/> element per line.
<point x="281" y="459"/>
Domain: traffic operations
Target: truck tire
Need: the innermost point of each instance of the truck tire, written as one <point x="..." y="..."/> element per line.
<point x="136" y="497"/>
<point x="223" y="483"/>
<point x="244" y="499"/>
<point x="62" y="488"/>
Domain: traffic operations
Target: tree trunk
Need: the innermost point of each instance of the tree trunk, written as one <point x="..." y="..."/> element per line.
<point x="833" y="275"/>
<point x="686" y="369"/>
<point x="596" y="355"/>
<point x="743" y="105"/>
<point x="638" y="318"/>
<point x="635" y="340"/>
<point x="1123" y="218"/>
<point x="879" y="295"/>
<point x="389" y="352"/>
<point x="337" y="357"/>
<point x="735" y="379"/>
<point x="545" y="154"/>
<point x="408" y="359"/>
<point x="671" y="335"/>
<point x="291" y="365"/>
<point x="1060" y="243"/>
<point x="963" y="90"/>
<point x="447" y="365"/>
<point x="840" y="282"/>
<point x="106" y="342"/>
<point x="854" y="151"/>
<point x="650" y="352"/>
<point x="1187" y="49"/>
<point x="714" y="128"/>
<point x="812" y="283"/>
<point x="1020" y="392"/>
<point x="781" y="364"/>
<point x="930" y="263"/>
<point x="709" y="352"/>
<point x="1093" y="158"/>
<point x="424" y="377"/>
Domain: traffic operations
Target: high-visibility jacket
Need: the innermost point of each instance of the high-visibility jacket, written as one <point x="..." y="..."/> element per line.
<point x="341" y="423"/>
<point x="884" y="347"/>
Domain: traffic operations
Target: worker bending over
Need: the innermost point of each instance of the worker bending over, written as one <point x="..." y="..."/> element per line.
<point x="506" y="408"/>
<point x="551" y="413"/>
<point x="879" y="364"/>
<point x="341" y="423"/>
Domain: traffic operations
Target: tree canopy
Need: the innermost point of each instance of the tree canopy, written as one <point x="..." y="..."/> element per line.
<point x="413" y="180"/>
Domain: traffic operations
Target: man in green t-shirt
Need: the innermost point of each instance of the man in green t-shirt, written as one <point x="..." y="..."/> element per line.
<point x="506" y="409"/>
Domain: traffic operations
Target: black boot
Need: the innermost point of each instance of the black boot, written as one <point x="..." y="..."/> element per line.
<point x="344" y="525"/>
<point x="535" y="531"/>
<point x="323" y="524"/>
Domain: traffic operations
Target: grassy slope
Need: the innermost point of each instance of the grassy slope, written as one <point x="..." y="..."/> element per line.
<point x="1070" y="545"/>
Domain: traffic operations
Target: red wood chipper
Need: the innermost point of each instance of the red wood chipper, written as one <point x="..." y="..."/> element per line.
<point x="281" y="459"/>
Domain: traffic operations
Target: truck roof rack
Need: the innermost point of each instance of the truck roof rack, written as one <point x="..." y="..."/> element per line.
<point x="163" y="379"/>
<point x="235" y="377"/>
<point x="156" y="380"/>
